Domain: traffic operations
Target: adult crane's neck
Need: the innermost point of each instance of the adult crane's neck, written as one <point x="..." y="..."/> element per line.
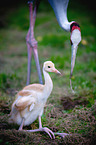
<point x="48" y="84"/>
<point x="60" y="9"/>
<point x="61" y="16"/>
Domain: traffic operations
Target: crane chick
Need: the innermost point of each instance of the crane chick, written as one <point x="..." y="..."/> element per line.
<point x="30" y="101"/>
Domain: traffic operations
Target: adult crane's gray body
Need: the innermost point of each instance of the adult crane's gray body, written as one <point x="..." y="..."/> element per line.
<point x="60" y="10"/>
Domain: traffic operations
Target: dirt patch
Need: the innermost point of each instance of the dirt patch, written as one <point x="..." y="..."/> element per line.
<point x="68" y="103"/>
<point x="4" y="107"/>
<point x="17" y="137"/>
<point x="9" y="133"/>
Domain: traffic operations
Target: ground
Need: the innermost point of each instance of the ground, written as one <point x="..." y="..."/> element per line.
<point x="64" y="112"/>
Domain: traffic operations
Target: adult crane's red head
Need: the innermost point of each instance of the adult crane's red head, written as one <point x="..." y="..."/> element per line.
<point x="60" y="9"/>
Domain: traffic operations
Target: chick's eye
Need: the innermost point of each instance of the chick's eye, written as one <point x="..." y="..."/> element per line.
<point x="48" y="66"/>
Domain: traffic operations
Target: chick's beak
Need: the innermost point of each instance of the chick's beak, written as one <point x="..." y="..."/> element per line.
<point x="56" y="71"/>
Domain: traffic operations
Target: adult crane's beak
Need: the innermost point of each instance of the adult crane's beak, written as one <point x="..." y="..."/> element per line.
<point x="73" y="57"/>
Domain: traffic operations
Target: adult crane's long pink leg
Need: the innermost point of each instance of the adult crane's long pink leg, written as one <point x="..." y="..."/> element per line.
<point x="35" y="51"/>
<point x="32" y="45"/>
<point x="29" y="49"/>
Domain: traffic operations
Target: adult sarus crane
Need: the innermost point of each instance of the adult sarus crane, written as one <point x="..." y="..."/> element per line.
<point x="60" y="9"/>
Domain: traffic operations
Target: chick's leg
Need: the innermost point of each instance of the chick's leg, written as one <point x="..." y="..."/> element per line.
<point x="22" y="123"/>
<point x="48" y="131"/>
<point x="45" y="129"/>
<point x="40" y="123"/>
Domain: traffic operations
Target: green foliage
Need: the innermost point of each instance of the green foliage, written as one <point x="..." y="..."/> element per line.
<point x="6" y="79"/>
<point x="3" y="81"/>
<point x="53" y="41"/>
<point x="19" y="18"/>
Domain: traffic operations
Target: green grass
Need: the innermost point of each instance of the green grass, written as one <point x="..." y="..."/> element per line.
<point x="54" y="45"/>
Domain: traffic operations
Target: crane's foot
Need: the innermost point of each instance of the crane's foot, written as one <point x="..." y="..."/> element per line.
<point x="49" y="132"/>
<point x="45" y="129"/>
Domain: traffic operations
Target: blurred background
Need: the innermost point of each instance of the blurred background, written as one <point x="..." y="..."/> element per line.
<point x="77" y="112"/>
